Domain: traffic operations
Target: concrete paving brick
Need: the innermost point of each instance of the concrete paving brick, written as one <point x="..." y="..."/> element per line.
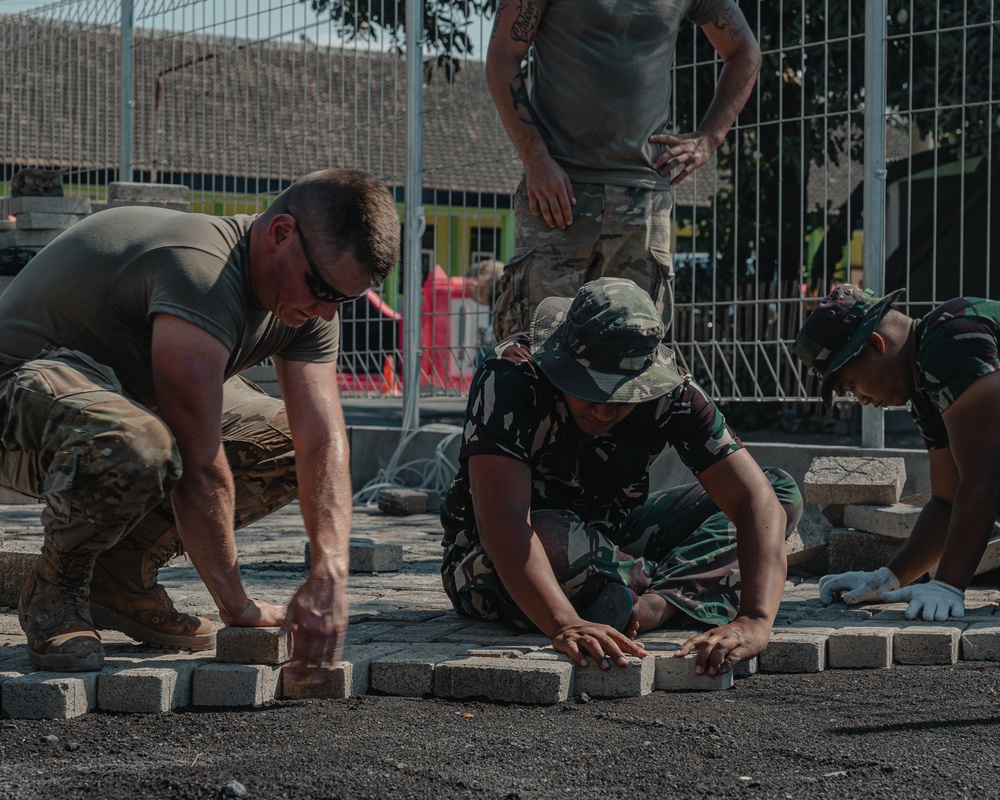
<point x="746" y="668"/>
<point x="49" y="695"/>
<point x="806" y="543"/>
<point x="410" y="672"/>
<point x="14" y="571"/>
<point x="364" y="632"/>
<point x="20" y="238"/>
<point x="834" y="513"/>
<point x="402" y="502"/>
<point x="665" y="636"/>
<point x="235" y="645"/>
<point x="856" y="550"/>
<point x="859" y="648"/>
<point x="146" y="689"/>
<point x="369" y="556"/>
<point x="40" y="220"/>
<point x="417" y="615"/>
<point x="896" y="617"/>
<point x="673" y="674"/>
<point x="926" y="645"/>
<point x="335" y="685"/>
<point x="490" y="651"/>
<point x="981" y="642"/>
<point x="849" y="480"/>
<point x="352" y="676"/>
<point x="48" y="205"/>
<point x="235" y="684"/>
<point x="895" y="521"/>
<point x="793" y="652"/>
<point x="420" y="633"/>
<point x="127" y="192"/>
<point x="634" y="680"/>
<point x="493" y="633"/>
<point x="510" y="680"/>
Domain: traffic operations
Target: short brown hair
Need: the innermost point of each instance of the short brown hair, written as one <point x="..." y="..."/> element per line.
<point x="351" y="211"/>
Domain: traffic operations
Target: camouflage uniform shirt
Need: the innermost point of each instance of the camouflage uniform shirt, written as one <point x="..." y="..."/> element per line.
<point x="515" y="411"/>
<point x="957" y="343"/>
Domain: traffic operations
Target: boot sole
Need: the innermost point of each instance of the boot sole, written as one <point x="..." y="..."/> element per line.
<point x="59" y="662"/>
<point x="107" y="619"/>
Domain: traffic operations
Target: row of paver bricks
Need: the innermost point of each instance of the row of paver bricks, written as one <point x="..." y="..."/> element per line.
<point x="468" y="660"/>
<point x="525" y="673"/>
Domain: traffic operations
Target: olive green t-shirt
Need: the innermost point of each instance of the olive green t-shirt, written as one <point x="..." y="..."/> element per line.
<point x="97" y="286"/>
<point x="601" y="83"/>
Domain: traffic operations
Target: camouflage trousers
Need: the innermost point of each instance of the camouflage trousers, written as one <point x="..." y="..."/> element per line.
<point x="104" y="465"/>
<point x="617" y="231"/>
<point x="678" y="544"/>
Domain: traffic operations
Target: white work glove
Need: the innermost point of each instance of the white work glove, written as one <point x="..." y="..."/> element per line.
<point x="857" y="587"/>
<point x="934" y="600"/>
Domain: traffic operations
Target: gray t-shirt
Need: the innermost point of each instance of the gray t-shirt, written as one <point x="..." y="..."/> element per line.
<point x="96" y="288"/>
<point x="602" y="82"/>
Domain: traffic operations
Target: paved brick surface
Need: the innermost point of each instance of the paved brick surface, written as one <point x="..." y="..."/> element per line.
<point x="634" y="680"/>
<point x="405" y="639"/>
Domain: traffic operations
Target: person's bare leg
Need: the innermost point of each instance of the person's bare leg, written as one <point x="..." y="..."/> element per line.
<point x="651" y="611"/>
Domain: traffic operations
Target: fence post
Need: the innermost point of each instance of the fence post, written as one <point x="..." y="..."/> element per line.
<point x="413" y="214"/>
<point x="873" y="419"/>
<point x="128" y="90"/>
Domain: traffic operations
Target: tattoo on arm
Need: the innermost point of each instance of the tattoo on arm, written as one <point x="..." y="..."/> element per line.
<point x="525" y="23"/>
<point x="733" y="22"/>
<point x="519" y="96"/>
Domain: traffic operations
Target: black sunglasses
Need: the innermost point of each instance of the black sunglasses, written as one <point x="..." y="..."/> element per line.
<point x="318" y="287"/>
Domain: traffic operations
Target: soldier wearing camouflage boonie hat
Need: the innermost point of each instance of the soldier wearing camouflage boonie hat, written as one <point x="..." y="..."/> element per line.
<point x="561" y="429"/>
<point x="604" y="345"/>
<point x="838" y="329"/>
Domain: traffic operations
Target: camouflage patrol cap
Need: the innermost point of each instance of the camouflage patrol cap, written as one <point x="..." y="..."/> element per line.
<point x="838" y="329"/>
<point x="604" y="345"/>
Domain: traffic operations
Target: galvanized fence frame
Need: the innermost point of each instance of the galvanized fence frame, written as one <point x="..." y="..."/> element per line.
<point x="866" y="154"/>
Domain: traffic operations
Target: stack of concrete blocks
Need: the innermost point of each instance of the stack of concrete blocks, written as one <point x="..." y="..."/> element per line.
<point x="840" y="485"/>
<point x="176" y="197"/>
<point x="39" y="220"/>
<point x="247" y="668"/>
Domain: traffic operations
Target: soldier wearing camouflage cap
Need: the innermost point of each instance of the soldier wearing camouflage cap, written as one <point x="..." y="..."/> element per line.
<point x="947" y="366"/>
<point x="550" y="521"/>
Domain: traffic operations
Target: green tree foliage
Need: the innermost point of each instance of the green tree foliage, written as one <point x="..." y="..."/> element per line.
<point x="807" y="114"/>
<point x="446" y="23"/>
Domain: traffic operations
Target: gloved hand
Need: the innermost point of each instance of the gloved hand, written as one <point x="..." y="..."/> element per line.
<point x="934" y="600"/>
<point x="857" y="587"/>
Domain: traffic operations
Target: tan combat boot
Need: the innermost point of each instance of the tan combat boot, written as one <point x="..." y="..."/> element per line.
<point x="124" y="595"/>
<point x="55" y="614"/>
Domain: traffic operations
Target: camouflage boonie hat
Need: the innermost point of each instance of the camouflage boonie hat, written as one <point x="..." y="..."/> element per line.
<point x="604" y="345"/>
<point x="838" y="329"/>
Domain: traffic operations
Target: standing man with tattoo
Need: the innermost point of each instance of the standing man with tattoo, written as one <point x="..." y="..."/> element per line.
<point x="591" y="131"/>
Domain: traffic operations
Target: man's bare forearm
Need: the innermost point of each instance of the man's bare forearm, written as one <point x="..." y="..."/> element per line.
<point x="203" y="505"/>
<point x="923" y="547"/>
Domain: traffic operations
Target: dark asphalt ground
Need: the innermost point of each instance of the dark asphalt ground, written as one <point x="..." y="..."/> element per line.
<point x="906" y="732"/>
